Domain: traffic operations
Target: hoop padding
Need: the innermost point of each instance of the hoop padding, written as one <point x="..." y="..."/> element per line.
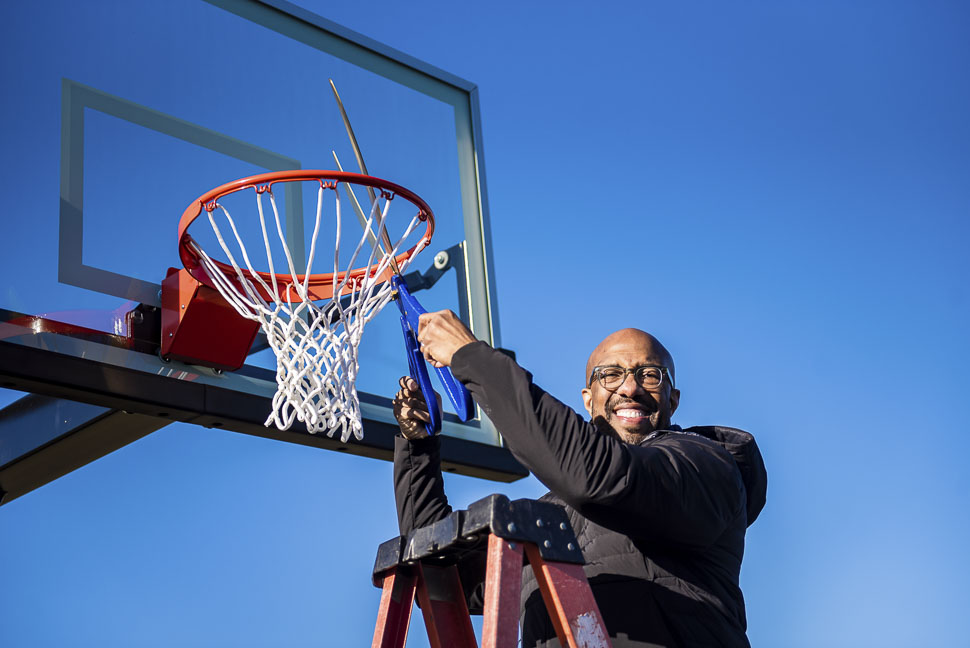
<point x="314" y="328"/>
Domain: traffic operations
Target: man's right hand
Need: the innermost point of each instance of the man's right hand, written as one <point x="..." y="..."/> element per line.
<point x="411" y="410"/>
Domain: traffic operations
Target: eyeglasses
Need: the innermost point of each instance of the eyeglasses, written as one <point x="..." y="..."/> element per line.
<point x="611" y="377"/>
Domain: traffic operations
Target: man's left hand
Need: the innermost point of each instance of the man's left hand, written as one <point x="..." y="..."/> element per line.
<point x="441" y="334"/>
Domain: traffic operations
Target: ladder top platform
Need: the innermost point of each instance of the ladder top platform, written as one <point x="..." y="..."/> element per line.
<point x="452" y="539"/>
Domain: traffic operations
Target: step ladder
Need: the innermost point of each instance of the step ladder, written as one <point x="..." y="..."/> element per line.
<point x="498" y="535"/>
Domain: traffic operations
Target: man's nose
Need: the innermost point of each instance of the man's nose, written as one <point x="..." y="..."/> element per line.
<point x="629" y="386"/>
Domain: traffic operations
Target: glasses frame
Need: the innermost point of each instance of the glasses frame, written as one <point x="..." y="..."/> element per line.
<point x="594" y="375"/>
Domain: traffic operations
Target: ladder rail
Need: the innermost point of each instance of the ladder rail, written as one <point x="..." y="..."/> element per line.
<point x="503" y="584"/>
<point x="394" y="613"/>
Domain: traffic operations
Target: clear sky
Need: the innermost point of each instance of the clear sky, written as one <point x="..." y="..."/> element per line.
<point x="780" y="191"/>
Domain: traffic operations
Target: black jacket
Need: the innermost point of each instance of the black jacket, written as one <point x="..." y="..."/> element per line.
<point x="661" y="524"/>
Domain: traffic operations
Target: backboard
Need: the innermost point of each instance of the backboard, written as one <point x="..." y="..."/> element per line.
<point x="119" y="115"/>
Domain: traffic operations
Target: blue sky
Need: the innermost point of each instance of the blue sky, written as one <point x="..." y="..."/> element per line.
<point x="777" y="190"/>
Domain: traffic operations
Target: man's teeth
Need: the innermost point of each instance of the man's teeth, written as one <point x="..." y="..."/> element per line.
<point x="630" y="413"/>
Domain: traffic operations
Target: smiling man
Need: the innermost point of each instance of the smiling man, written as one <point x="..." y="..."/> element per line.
<point x="630" y="409"/>
<point x="660" y="512"/>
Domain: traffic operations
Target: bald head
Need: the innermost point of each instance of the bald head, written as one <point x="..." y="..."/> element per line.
<point x="629" y="341"/>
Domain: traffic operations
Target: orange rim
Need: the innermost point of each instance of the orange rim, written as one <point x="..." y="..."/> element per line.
<point x="319" y="286"/>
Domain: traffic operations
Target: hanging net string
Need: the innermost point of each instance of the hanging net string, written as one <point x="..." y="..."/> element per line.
<point x="315" y="342"/>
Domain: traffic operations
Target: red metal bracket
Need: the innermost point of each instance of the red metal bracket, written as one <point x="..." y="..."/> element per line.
<point x="200" y="327"/>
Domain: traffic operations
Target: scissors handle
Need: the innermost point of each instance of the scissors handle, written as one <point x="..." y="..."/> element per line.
<point x="411" y="310"/>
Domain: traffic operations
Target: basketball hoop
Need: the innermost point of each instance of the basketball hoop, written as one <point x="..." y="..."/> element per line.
<point x="313" y="322"/>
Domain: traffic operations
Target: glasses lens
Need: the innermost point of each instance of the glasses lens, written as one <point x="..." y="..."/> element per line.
<point x="611" y="377"/>
<point x="649" y="376"/>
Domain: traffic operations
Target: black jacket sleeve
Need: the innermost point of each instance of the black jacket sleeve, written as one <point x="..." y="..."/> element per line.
<point x="419" y="488"/>
<point x="681" y="488"/>
<point x="419" y="491"/>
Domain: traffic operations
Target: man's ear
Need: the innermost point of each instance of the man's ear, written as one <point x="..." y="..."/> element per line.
<point x="674" y="400"/>
<point x="588" y="401"/>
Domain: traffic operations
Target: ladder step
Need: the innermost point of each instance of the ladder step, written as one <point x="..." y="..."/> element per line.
<point x="443" y="605"/>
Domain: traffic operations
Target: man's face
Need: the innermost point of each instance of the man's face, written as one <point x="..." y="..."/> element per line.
<point x="630" y="411"/>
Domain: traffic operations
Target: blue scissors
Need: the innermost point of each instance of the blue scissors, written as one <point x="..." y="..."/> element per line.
<point x="457" y="394"/>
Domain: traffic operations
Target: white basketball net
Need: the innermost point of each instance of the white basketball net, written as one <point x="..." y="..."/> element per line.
<point x="315" y="343"/>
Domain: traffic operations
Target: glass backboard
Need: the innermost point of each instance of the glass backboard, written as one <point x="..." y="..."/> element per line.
<point x="120" y="115"/>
